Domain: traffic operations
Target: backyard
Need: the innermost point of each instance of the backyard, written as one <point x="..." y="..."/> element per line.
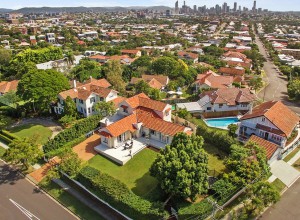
<point x="215" y="158"/>
<point x="135" y="173"/>
<point x="38" y="132"/>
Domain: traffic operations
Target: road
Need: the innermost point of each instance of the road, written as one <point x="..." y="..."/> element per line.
<point x="277" y="84"/>
<point x="19" y="199"/>
<point x="287" y="208"/>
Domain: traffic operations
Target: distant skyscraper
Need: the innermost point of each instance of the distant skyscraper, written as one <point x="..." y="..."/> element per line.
<point x="240" y="8"/>
<point x="195" y="8"/>
<point x="254" y="6"/>
<point x="176" y="8"/>
<point x="235" y="7"/>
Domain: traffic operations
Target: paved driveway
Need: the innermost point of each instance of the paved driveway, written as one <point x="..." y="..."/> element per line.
<point x="285" y="172"/>
<point x="85" y="149"/>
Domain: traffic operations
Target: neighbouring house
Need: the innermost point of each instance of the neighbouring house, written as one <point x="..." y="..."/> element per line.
<point x="232" y="71"/>
<point x="211" y="80"/>
<point x="124" y="59"/>
<point x="188" y="56"/>
<point x="272" y="150"/>
<point x="134" y="53"/>
<point x="86" y="96"/>
<point x="6" y="86"/>
<point x="154" y="81"/>
<point x="229" y="100"/>
<point x="237" y="59"/>
<point x="144" y="121"/>
<point x="272" y="121"/>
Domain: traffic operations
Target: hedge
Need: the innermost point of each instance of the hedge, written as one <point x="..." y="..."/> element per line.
<point x="9" y="135"/>
<point x="200" y="210"/>
<point x="5" y="139"/>
<point x="80" y="128"/>
<point x="71" y="144"/>
<point x="119" y="195"/>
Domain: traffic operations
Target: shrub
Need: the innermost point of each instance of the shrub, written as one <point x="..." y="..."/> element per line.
<point x="80" y="128"/>
<point x="119" y="195"/>
<point x="8" y="135"/>
<point x="5" y="139"/>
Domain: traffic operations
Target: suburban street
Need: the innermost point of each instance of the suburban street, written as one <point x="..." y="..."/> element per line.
<point x="22" y="200"/>
<point x="287" y="208"/>
<point x="277" y="84"/>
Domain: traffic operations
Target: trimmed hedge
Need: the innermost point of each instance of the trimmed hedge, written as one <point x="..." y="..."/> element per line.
<point x="9" y="135"/>
<point x="80" y="128"/>
<point x="5" y="139"/>
<point x="201" y="210"/>
<point x="119" y="195"/>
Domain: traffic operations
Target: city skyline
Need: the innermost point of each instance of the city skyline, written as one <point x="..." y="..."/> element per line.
<point x="274" y="5"/>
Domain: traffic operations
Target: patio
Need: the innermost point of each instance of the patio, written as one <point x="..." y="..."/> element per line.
<point x="121" y="155"/>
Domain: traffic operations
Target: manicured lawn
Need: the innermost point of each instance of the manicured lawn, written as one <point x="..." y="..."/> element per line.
<point x="70" y="202"/>
<point x="297" y="164"/>
<point x="279" y="185"/>
<point x="135" y="173"/>
<point x="291" y="155"/>
<point x="38" y="132"/>
<point x="215" y="158"/>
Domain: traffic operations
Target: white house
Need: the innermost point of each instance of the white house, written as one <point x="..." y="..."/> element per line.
<point x="86" y="96"/>
<point x="272" y="121"/>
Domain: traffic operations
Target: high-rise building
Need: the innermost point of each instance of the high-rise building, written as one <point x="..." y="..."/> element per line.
<point x="240" y="8"/>
<point x="254" y="6"/>
<point x="224" y="8"/>
<point x="176" y="8"/>
<point x="195" y="8"/>
<point x="235" y="7"/>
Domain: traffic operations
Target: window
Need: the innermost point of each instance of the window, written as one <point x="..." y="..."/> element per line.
<point x="92" y="100"/>
<point x="244" y="105"/>
<point x="101" y="99"/>
<point x="220" y="105"/>
<point x="208" y="108"/>
<point x="167" y="113"/>
<point x="80" y="101"/>
<point x="84" y="110"/>
<point x="81" y="110"/>
<point x="89" y="110"/>
<point x="152" y="132"/>
<point x="263" y="119"/>
<point x="105" y="140"/>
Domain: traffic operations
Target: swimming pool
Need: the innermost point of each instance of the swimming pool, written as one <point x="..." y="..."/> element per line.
<point x="221" y="122"/>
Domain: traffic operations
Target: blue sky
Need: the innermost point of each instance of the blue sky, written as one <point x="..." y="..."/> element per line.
<point x="278" y="5"/>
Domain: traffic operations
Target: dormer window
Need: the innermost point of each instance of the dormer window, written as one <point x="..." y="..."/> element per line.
<point x="125" y="108"/>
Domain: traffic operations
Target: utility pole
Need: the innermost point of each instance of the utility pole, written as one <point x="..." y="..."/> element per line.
<point x="215" y="206"/>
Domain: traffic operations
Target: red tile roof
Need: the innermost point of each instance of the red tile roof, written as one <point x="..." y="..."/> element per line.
<point x="269" y="146"/>
<point x="214" y="80"/>
<point x="278" y="114"/>
<point x="8" y="86"/>
<point x="232" y="71"/>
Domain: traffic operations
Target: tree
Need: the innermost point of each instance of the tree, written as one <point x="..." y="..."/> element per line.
<point x="142" y="86"/>
<point x="181" y="168"/>
<point x="86" y="69"/>
<point x="105" y="108"/>
<point x="247" y="163"/>
<point x="294" y="89"/>
<point x="23" y="151"/>
<point x="166" y="66"/>
<point x="256" y="83"/>
<point x="70" y="107"/>
<point x="232" y="128"/>
<point x="18" y="69"/>
<point x="114" y="75"/>
<point x="183" y="113"/>
<point x="5" y="57"/>
<point x="70" y="164"/>
<point x="4" y="121"/>
<point x="41" y="87"/>
<point x="262" y="194"/>
<point x="10" y="99"/>
<point x="223" y="188"/>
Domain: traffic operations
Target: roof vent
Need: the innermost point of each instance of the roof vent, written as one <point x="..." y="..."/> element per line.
<point x="84" y="88"/>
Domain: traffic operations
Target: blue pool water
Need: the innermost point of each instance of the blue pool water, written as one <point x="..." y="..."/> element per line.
<point x="221" y="122"/>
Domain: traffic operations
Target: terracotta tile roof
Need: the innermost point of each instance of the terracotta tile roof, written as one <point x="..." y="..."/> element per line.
<point x="278" y="114"/>
<point x="152" y="121"/>
<point x="269" y="146"/>
<point x="232" y="71"/>
<point x="123" y="125"/>
<point x="117" y="101"/>
<point x="134" y="100"/>
<point x="8" y="86"/>
<point x="235" y="55"/>
<point x="188" y="55"/>
<point x="214" y="80"/>
<point x="160" y="78"/>
<point x="155" y="84"/>
<point x="236" y="63"/>
<point x="130" y="51"/>
<point x="230" y="96"/>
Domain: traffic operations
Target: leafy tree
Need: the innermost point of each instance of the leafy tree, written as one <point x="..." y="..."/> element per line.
<point x="70" y="107"/>
<point x="5" y="58"/>
<point x="247" y="163"/>
<point x="10" y="99"/>
<point x="143" y="61"/>
<point x="256" y="83"/>
<point x="181" y="168"/>
<point x="286" y="70"/>
<point x="232" y="128"/>
<point x="4" y="121"/>
<point x="23" y="151"/>
<point x="85" y="69"/>
<point x="262" y="194"/>
<point x="105" y="108"/>
<point x="67" y="120"/>
<point x="18" y="69"/>
<point x="294" y="89"/>
<point x="183" y="113"/>
<point x="142" y="86"/>
<point x="223" y="188"/>
<point x="166" y="66"/>
<point x="70" y="164"/>
<point x="41" y="87"/>
<point x="114" y="75"/>
<point x="213" y="50"/>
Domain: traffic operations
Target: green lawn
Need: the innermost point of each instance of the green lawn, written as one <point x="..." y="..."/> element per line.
<point x="39" y="132"/>
<point x="215" y="158"/>
<point x="135" y="173"/>
<point x="70" y="202"/>
<point x="291" y="155"/>
<point x="279" y="185"/>
<point x="297" y="165"/>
